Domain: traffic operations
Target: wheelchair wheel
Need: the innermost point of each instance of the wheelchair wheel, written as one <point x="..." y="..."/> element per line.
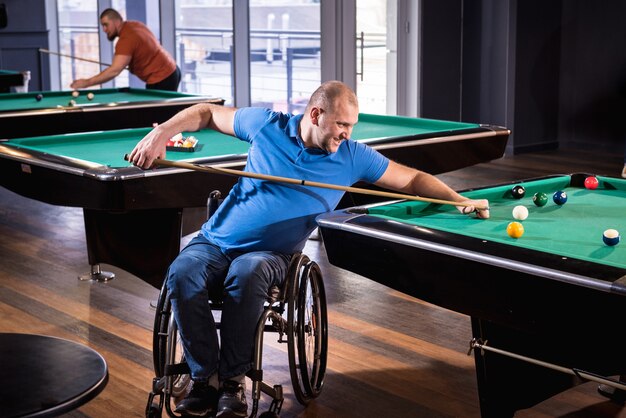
<point x="164" y="330"/>
<point x="307" y="328"/>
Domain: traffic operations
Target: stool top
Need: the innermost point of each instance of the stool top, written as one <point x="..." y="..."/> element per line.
<point x="43" y="376"/>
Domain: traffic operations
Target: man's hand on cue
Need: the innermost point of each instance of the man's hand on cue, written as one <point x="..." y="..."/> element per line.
<point x="480" y="207"/>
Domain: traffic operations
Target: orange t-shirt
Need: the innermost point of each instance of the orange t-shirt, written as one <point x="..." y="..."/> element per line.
<point x="149" y="60"/>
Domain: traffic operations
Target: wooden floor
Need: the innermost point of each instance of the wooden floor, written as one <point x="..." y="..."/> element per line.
<point x="389" y="355"/>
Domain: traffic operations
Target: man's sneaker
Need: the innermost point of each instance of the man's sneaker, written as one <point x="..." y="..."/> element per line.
<point x="201" y="401"/>
<point x="232" y="402"/>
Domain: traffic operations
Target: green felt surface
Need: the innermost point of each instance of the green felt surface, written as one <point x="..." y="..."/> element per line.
<point x="52" y="99"/>
<point x="572" y="230"/>
<point x="381" y="126"/>
<point x="108" y="147"/>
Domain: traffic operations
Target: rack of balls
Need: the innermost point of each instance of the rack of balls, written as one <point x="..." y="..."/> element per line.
<point x="180" y="143"/>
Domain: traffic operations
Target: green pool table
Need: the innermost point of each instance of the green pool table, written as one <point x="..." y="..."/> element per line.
<point x="556" y="294"/>
<point x="10" y="79"/>
<point x="122" y="204"/>
<point x="22" y="115"/>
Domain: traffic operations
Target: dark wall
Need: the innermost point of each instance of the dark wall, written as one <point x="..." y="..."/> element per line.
<point x="537" y="74"/>
<point x="487" y="62"/>
<point x="553" y="71"/>
<point x="20" y="40"/>
<point x="593" y="75"/>
<point x="464" y="72"/>
<point x="441" y="48"/>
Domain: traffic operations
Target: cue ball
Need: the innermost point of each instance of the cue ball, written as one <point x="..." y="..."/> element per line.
<point x="520" y="212"/>
<point x="559" y="197"/>
<point x="591" y="183"/>
<point x="90" y="96"/>
<point x="39" y="97"/>
<point x="515" y="229"/>
<point x="518" y="192"/>
<point x="540" y="199"/>
<point x="75" y="93"/>
<point x="72" y="103"/>
<point x="611" y="237"/>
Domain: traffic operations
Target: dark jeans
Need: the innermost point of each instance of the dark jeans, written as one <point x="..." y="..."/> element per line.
<point x="200" y="270"/>
<point x="170" y="83"/>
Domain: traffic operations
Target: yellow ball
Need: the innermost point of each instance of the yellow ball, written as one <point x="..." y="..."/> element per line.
<point x="515" y="229"/>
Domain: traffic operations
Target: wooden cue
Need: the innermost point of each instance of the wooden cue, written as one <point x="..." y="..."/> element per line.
<point x="73" y="57"/>
<point x="279" y="179"/>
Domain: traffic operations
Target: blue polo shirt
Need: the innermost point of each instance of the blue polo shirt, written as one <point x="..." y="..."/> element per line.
<point x="260" y="215"/>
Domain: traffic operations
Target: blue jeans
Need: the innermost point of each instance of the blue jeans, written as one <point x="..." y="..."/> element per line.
<point x="202" y="269"/>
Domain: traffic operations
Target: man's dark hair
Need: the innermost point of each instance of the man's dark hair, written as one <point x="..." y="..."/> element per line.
<point x="111" y="14"/>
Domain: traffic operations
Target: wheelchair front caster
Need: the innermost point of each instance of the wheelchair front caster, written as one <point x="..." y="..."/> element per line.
<point x="154" y="411"/>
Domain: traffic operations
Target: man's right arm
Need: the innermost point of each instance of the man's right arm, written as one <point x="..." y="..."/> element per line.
<point x="194" y="118"/>
<point x="119" y="63"/>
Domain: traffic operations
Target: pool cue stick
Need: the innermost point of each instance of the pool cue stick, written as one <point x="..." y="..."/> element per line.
<point x="279" y="179"/>
<point x="46" y="51"/>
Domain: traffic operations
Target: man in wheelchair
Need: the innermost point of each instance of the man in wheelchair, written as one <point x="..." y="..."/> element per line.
<point x="244" y="248"/>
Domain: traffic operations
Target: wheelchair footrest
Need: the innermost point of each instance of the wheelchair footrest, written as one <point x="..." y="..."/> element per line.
<point x="176" y="369"/>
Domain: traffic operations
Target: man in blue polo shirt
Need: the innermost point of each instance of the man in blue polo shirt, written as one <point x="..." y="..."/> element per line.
<point x="246" y="245"/>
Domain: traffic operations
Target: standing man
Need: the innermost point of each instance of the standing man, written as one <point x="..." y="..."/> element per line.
<point x="139" y="50"/>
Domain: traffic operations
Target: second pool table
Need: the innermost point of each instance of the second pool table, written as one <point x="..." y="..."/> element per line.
<point x="123" y="204"/>
<point x="22" y="115"/>
<point x="556" y="294"/>
<point x="10" y="79"/>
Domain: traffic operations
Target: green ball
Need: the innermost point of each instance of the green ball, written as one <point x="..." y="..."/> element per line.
<point x="540" y="199"/>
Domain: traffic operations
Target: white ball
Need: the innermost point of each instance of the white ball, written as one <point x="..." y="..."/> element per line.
<point x="520" y="212"/>
<point x="75" y="93"/>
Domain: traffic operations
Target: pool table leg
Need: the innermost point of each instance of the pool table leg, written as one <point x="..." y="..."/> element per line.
<point x="505" y="384"/>
<point x="142" y="242"/>
<point x="97" y="274"/>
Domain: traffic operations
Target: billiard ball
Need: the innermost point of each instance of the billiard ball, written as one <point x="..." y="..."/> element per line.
<point x="515" y="229"/>
<point x="591" y="183"/>
<point x="39" y="97"/>
<point x="75" y="94"/>
<point x="540" y="199"/>
<point x="518" y="192"/>
<point x="520" y="212"/>
<point x="90" y="96"/>
<point x="611" y="237"/>
<point x="72" y="103"/>
<point x="559" y="197"/>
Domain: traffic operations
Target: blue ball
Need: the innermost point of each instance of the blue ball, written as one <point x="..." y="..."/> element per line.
<point x="611" y="237"/>
<point x="559" y="197"/>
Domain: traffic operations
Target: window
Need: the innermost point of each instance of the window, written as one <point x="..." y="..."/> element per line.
<point x="204" y="47"/>
<point x="285" y="48"/>
<point x="376" y="56"/>
<point x="284" y="53"/>
<point x="78" y="38"/>
<point x="79" y="41"/>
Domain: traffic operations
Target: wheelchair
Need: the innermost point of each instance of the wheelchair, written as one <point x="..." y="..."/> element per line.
<point x="296" y="311"/>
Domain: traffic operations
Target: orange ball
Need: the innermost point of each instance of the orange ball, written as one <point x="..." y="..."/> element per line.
<point x="515" y="229"/>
